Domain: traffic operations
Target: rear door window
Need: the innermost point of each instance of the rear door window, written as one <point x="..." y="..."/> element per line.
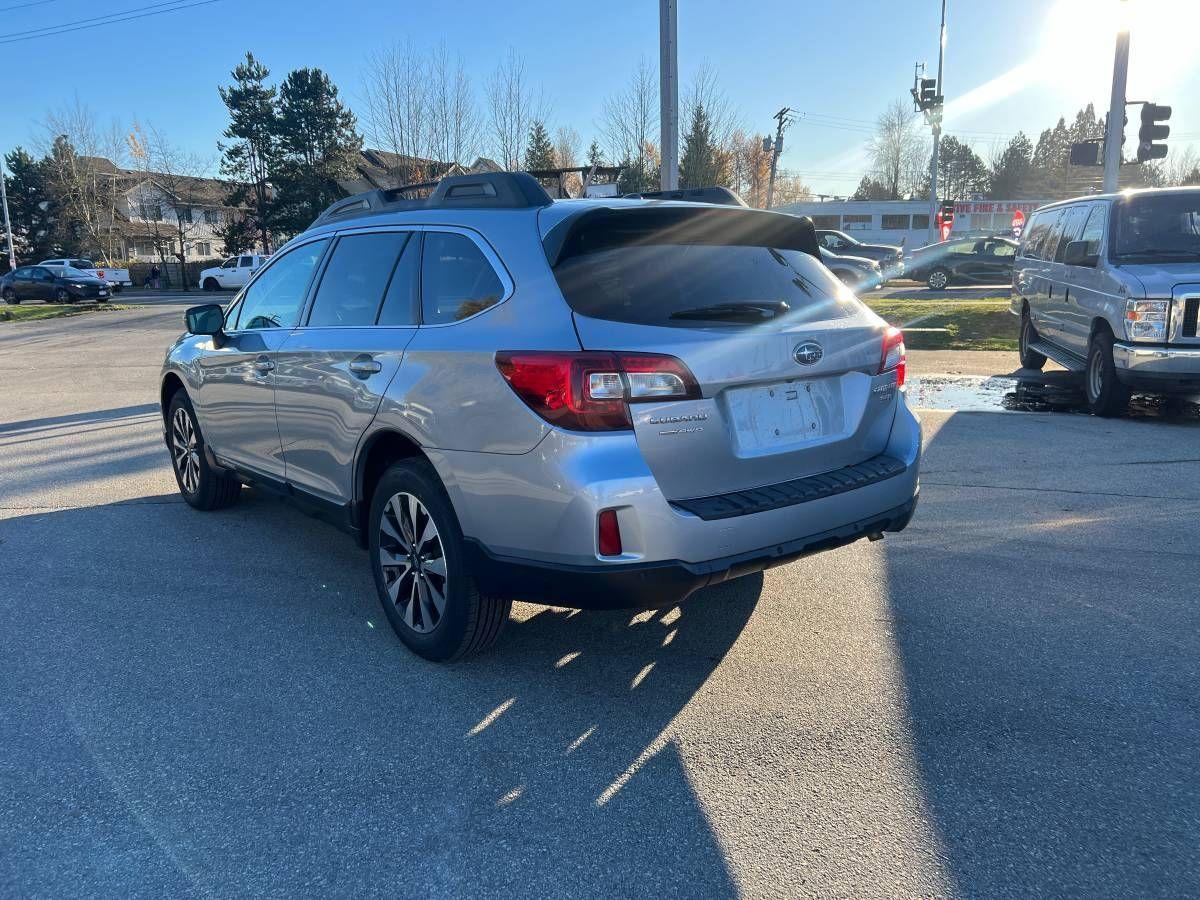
<point x="355" y="279"/>
<point x="457" y="280"/>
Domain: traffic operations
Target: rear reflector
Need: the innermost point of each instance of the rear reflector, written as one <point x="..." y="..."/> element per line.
<point x="894" y="356"/>
<point x="589" y="391"/>
<point x="608" y="533"/>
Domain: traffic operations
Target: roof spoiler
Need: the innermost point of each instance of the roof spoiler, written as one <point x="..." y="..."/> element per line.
<point x="486" y="190"/>
<point x="722" y="196"/>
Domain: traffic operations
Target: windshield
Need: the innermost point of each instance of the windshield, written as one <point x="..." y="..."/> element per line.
<point x="1158" y="227"/>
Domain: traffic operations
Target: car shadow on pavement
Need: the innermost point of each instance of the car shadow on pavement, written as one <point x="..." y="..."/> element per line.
<point x="1045" y="617"/>
<point x="215" y="703"/>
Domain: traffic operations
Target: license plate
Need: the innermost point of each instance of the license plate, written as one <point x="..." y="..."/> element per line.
<point x="786" y="414"/>
<point x="102" y="293"/>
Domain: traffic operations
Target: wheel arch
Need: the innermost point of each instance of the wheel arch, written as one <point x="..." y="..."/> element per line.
<point x="1099" y="323"/>
<point x="378" y="451"/>
<point x="171" y="384"/>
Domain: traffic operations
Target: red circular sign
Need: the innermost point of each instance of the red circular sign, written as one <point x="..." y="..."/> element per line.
<point x="1018" y="218"/>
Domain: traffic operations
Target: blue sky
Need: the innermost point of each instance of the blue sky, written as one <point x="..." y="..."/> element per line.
<point x="1010" y="64"/>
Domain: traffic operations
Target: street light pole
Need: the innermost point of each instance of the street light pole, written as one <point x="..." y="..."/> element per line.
<point x="1116" y="107"/>
<point x="668" y="91"/>
<point x="935" y="123"/>
<point x="12" y="257"/>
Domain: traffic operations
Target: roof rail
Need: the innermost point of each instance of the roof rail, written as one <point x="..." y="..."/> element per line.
<point x="720" y="195"/>
<point x="486" y="190"/>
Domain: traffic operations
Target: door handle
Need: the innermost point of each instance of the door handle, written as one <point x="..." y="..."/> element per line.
<point x="263" y="365"/>
<point x="365" y="366"/>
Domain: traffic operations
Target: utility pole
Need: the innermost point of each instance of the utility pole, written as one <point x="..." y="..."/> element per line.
<point x="668" y="92"/>
<point x="783" y="119"/>
<point x="12" y="257"/>
<point x="1116" y="106"/>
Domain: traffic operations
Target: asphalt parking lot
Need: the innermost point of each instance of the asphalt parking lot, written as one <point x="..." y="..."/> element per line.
<point x="999" y="701"/>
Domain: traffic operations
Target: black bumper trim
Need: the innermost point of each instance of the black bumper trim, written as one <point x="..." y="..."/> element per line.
<point x="790" y="493"/>
<point x="657" y="584"/>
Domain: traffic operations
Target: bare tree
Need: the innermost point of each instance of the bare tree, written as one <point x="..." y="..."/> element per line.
<point x="790" y="188"/>
<point x="631" y="116"/>
<point x="512" y="105"/>
<point x="84" y="159"/>
<point x="704" y="90"/>
<point x="566" y="147"/>
<point x="1182" y="167"/>
<point x="398" y="90"/>
<point x="454" y="117"/>
<point x="750" y="167"/>
<point x="897" y="151"/>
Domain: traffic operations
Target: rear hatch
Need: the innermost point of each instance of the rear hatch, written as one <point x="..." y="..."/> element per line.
<point x="787" y="360"/>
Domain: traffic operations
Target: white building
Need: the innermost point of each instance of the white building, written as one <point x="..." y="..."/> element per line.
<point x="906" y="222"/>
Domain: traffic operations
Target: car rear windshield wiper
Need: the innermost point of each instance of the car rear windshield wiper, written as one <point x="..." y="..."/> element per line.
<point x="736" y="312"/>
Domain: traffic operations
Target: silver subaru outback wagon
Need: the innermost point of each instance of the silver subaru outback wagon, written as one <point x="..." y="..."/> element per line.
<point x="582" y="403"/>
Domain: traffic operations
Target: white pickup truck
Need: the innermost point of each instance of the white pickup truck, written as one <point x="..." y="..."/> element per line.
<point x="232" y="274"/>
<point x="116" y="278"/>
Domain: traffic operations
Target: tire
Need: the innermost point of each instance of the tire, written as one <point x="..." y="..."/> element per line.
<point x="1106" y="395"/>
<point x="938" y="279"/>
<point x="210" y="284"/>
<point x="10" y="297"/>
<point x="1030" y="359"/>
<point x="468" y="621"/>
<point x="117" y="288"/>
<point x="202" y="486"/>
<point x="61" y="296"/>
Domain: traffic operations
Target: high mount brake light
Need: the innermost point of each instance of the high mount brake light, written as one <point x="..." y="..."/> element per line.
<point x="894" y="356"/>
<point x="590" y="391"/>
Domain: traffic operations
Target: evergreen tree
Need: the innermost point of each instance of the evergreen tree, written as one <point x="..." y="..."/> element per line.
<point x="318" y="144"/>
<point x="595" y="156"/>
<point x="1010" y="176"/>
<point x="539" y="149"/>
<point x="31" y="206"/>
<point x="252" y="153"/>
<point x="870" y="189"/>
<point x="962" y="174"/>
<point x="702" y="164"/>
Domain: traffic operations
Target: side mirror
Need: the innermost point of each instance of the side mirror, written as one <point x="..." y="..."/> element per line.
<point x="1077" y="254"/>
<point x="207" y="319"/>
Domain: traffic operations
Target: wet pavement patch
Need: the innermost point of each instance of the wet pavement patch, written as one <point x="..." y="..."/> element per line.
<point x="1036" y="392"/>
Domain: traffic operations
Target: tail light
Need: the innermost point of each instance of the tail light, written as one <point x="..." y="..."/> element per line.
<point x="590" y="391"/>
<point x="608" y="533"/>
<point x="894" y="357"/>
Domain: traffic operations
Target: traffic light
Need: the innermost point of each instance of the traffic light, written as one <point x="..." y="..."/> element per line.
<point x="1153" y="130"/>
<point x="929" y="96"/>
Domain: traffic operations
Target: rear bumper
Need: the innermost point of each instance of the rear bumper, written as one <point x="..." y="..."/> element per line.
<point x="657" y="584"/>
<point x="1159" y="368"/>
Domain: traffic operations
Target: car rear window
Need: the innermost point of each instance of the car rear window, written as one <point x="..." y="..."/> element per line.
<point x="687" y="277"/>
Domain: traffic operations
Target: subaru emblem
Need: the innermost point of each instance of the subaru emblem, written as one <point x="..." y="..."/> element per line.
<point x="808" y="354"/>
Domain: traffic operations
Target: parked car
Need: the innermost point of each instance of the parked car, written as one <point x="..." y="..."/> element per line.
<point x="115" y="278"/>
<point x="590" y="403"/>
<point x="970" y="261"/>
<point x="853" y="271"/>
<point x="843" y="244"/>
<point x="1110" y="286"/>
<point x="232" y="274"/>
<point x="53" y="284"/>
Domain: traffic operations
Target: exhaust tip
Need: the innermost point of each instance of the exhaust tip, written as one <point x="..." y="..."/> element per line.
<point x="875" y="536"/>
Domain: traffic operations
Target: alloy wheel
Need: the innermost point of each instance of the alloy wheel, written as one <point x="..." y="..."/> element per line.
<point x="414" y="562"/>
<point x="938" y="280"/>
<point x="186" y="451"/>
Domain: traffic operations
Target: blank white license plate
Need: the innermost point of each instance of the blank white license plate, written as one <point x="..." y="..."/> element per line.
<point x="789" y="413"/>
<point x="102" y="292"/>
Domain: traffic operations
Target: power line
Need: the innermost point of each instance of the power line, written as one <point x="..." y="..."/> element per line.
<point x="112" y="18"/>
<point x="26" y="5"/>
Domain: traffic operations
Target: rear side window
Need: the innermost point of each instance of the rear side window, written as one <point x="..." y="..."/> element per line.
<point x="457" y="280"/>
<point x="246" y="262"/>
<point x="668" y="277"/>
<point x="358" y="273"/>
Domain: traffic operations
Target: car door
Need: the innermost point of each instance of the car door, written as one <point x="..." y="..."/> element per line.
<point x="225" y="275"/>
<point x="1085" y="294"/>
<point x="235" y="394"/>
<point x="1058" y="278"/>
<point x="970" y="261"/>
<point x="244" y="271"/>
<point x="331" y="372"/>
<point x="998" y="261"/>
<point x="41" y="284"/>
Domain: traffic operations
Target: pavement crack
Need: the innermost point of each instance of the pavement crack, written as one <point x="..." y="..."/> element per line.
<point x="1049" y="490"/>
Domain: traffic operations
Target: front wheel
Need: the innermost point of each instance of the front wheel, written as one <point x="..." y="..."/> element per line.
<point x="10" y="296"/>
<point x="61" y="296"/>
<point x="418" y="559"/>
<point x="1106" y="395"/>
<point x="938" y="279"/>
<point x="210" y="284"/>
<point x="202" y="486"/>
<point x="1030" y="359"/>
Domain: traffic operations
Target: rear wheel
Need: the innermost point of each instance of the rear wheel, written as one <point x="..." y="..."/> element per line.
<point x="210" y="284"/>
<point x="1030" y="359"/>
<point x="419" y="562"/>
<point x="202" y="486"/>
<point x="1106" y="395"/>
<point x="938" y="279"/>
<point x="10" y="296"/>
